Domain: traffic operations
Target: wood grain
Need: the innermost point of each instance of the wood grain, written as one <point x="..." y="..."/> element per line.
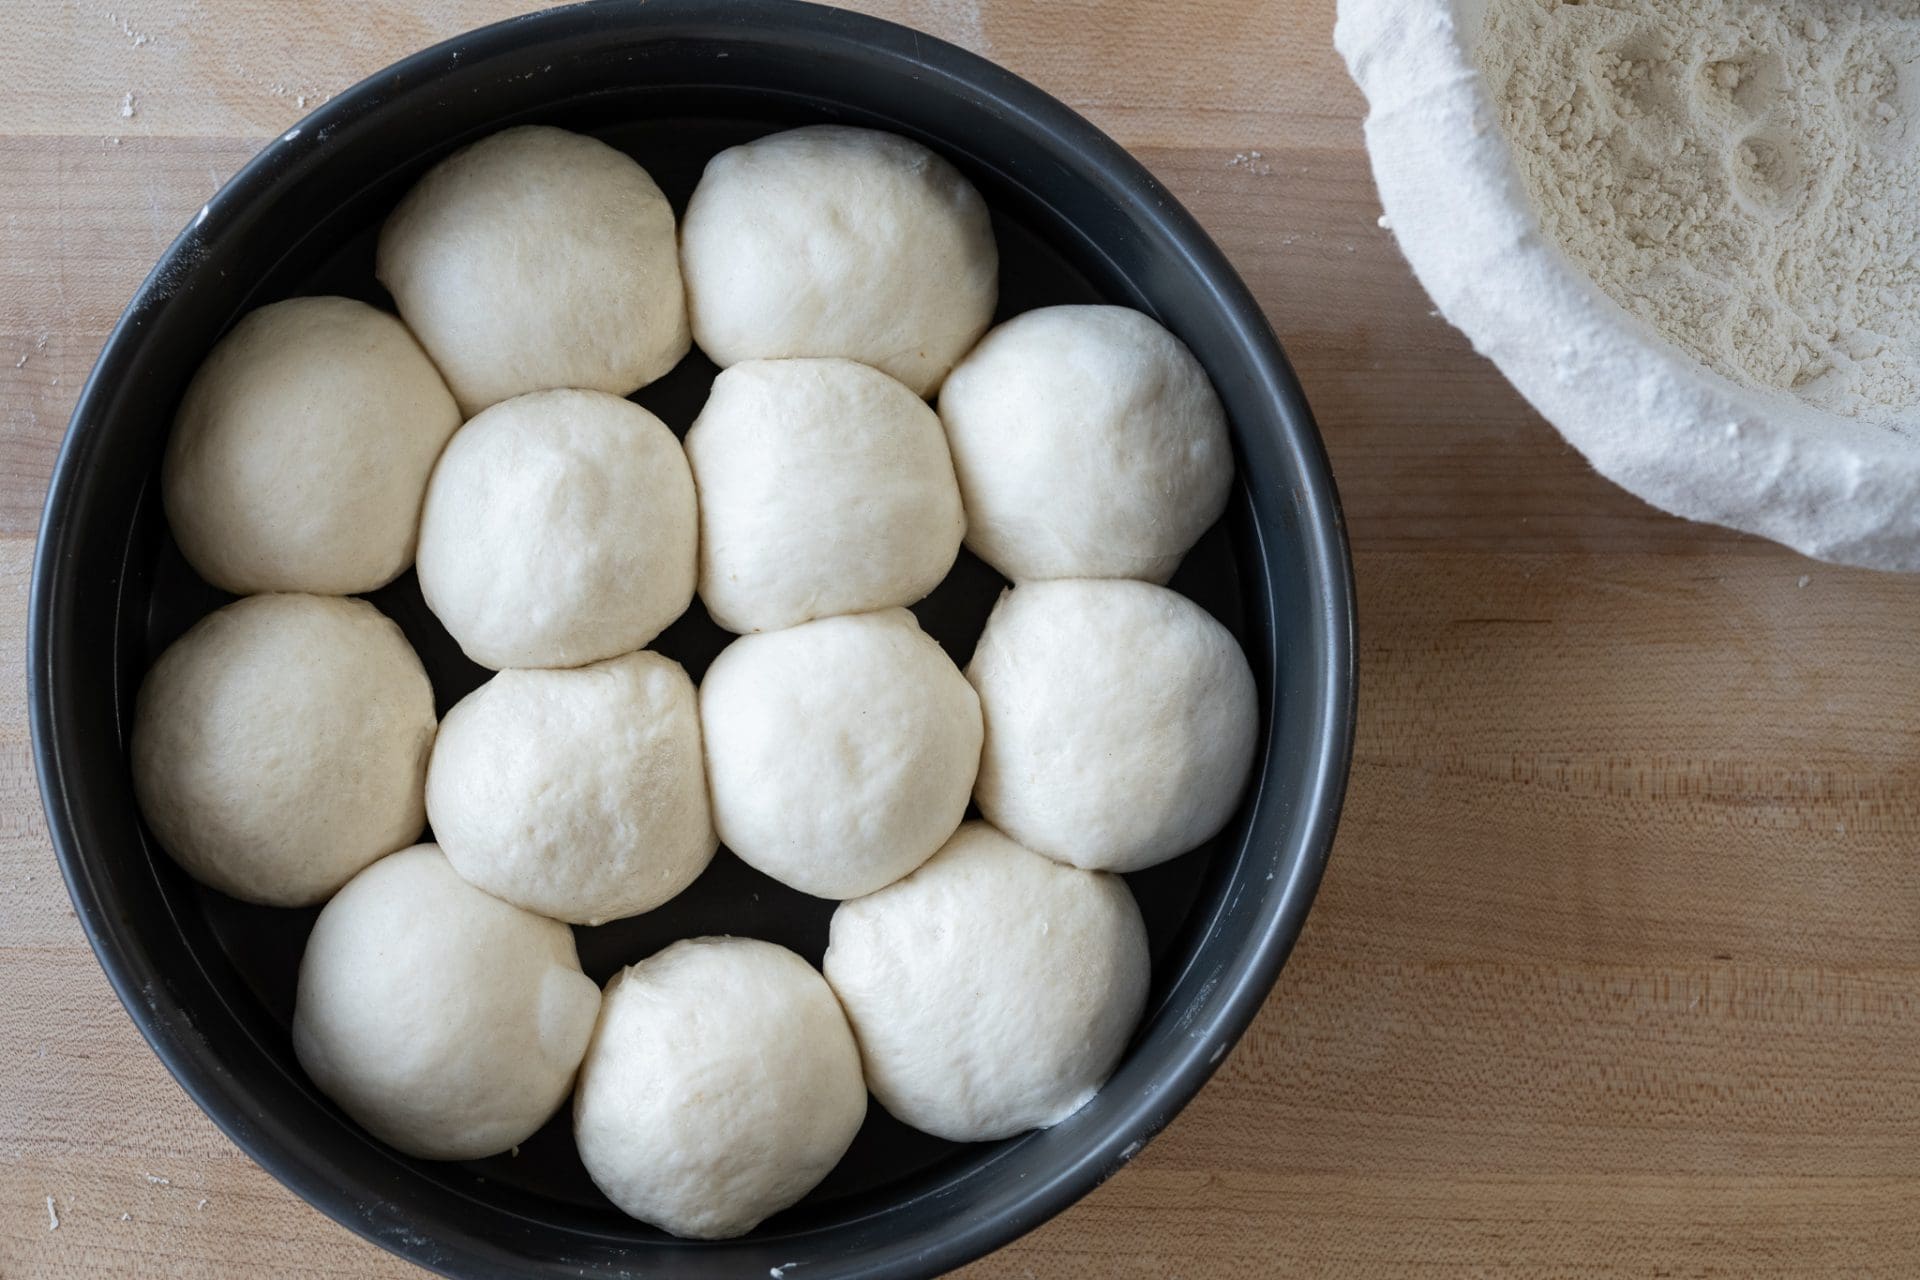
<point x="1616" y="965"/>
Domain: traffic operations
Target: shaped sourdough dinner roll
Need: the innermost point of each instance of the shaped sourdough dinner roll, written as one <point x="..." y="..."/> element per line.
<point x="559" y="529"/>
<point x="993" y="990"/>
<point x="280" y="745"/>
<point x="825" y="487"/>
<point x="579" y="794"/>
<point x="835" y="241"/>
<point x="840" y="753"/>
<point x="444" y="1020"/>
<point x="1089" y="444"/>
<point x="1121" y="721"/>
<point x="533" y="259"/>
<point x="302" y="448"/>
<point x="722" y="1084"/>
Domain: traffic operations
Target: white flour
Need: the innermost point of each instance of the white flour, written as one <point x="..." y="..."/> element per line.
<point x="1742" y="175"/>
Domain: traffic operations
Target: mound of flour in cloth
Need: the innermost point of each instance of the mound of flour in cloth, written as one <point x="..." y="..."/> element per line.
<point x="1742" y="175"/>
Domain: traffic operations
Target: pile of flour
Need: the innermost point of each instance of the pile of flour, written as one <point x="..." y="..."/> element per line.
<point x="1742" y="175"/>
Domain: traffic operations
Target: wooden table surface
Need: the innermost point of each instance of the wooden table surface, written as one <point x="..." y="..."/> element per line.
<point x="1614" y="971"/>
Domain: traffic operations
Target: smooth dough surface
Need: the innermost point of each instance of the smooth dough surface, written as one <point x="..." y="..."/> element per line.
<point x="280" y="745"/>
<point x="722" y="1084"/>
<point x="445" y="1021"/>
<point x="579" y="794"/>
<point x="825" y="487"/>
<point x="836" y="241"/>
<point x="1121" y="721"/>
<point x="302" y="448"/>
<point x="840" y="753"/>
<point x="993" y="990"/>
<point x="1089" y="444"/>
<point x="537" y="258"/>
<point x="559" y="529"/>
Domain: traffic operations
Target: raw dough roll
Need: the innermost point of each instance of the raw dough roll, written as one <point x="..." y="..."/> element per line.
<point x="1121" y="721"/>
<point x="445" y="1021"/>
<point x="834" y="241"/>
<point x="537" y="258"/>
<point x="840" y="752"/>
<point x="722" y="1084"/>
<point x="992" y="990"/>
<point x="825" y="487"/>
<point x="302" y="448"/>
<point x="281" y="744"/>
<point x="1089" y="444"/>
<point x="559" y="529"/>
<point x="578" y="794"/>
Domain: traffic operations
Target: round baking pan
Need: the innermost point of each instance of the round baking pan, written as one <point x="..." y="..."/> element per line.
<point x="209" y="980"/>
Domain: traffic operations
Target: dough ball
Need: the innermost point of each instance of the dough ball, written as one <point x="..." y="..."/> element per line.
<point x="1121" y="722"/>
<point x="579" y="794"/>
<point x="840" y="753"/>
<point x="537" y="258"/>
<point x="301" y="450"/>
<point x="833" y="241"/>
<point x="445" y="1021"/>
<point x="1089" y="444"/>
<point x="559" y="529"/>
<point x="992" y="990"/>
<point x="825" y="487"/>
<point x="280" y="745"/>
<point x="722" y="1084"/>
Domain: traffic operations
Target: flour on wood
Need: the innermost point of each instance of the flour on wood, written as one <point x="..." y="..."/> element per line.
<point x="1742" y="175"/>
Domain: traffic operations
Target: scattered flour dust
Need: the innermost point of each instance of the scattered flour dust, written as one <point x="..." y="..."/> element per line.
<point x="127" y="29"/>
<point x="1742" y="175"/>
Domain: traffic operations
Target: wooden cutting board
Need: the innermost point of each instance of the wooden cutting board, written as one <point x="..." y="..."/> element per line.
<point x="1616" y="966"/>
